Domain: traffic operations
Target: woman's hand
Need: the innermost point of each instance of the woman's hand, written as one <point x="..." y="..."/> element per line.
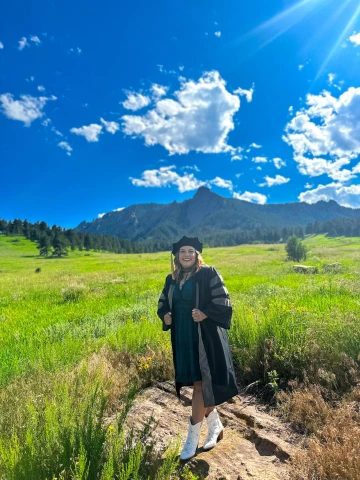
<point x="198" y="316"/>
<point x="168" y="319"/>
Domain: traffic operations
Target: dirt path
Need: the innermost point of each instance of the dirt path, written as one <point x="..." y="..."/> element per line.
<point x="255" y="446"/>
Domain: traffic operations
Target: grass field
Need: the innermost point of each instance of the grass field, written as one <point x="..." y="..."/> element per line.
<point x="82" y="333"/>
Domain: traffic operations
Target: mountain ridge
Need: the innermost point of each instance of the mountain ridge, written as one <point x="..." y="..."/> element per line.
<point x="208" y="212"/>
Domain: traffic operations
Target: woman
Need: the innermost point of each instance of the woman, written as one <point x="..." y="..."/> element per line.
<point x="195" y="305"/>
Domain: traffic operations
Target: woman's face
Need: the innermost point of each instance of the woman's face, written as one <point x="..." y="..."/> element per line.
<point x="187" y="256"/>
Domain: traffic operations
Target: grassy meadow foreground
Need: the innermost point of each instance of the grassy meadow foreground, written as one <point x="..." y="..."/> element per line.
<point x="81" y="337"/>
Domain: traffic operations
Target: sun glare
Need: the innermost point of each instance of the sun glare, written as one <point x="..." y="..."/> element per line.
<point x="346" y="32"/>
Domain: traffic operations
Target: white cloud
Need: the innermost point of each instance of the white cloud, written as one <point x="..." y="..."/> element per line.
<point x="35" y="39"/>
<point x="158" y="91"/>
<point x="46" y="122"/>
<point x="278" y="162"/>
<point x="308" y="185"/>
<point x="118" y="209"/>
<point x="217" y="34"/>
<point x="355" y="39"/>
<point x="255" y="145"/>
<point x="300" y="67"/>
<point x="41" y="88"/>
<point x="100" y="215"/>
<point x="259" y="159"/>
<point x="31" y="79"/>
<point x="252" y="197"/>
<point x="65" y="146"/>
<point x="278" y="180"/>
<point x="200" y="118"/>
<point x="258" y="168"/>
<point x="331" y="78"/>
<point x="345" y="196"/>
<point x="328" y="127"/>
<point x="236" y="157"/>
<point x="248" y="93"/>
<point x="135" y="101"/>
<point x="188" y="167"/>
<point x="75" y="50"/>
<point x="222" y="183"/>
<point x="1" y="45"/>
<point x="356" y="169"/>
<point x="165" y="176"/>
<point x="291" y="110"/>
<point x="59" y="134"/>
<point x="315" y="167"/>
<point x="23" y="43"/>
<point x="90" y="132"/>
<point x="111" y="127"/>
<point x="26" y="110"/>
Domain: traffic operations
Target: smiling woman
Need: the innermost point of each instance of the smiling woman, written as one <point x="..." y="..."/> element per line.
<point x="195" y="306"/>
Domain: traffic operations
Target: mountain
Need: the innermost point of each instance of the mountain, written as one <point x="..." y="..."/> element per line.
<point x="207" y="213"/>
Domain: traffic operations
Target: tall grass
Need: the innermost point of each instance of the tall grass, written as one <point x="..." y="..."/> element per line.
<point x="60" y="431"/>
<point x="86" y="310"/>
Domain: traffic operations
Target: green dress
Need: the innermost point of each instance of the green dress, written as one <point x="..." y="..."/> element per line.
<point x="186" y="336"/>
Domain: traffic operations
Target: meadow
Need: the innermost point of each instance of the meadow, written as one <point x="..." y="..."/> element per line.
<point x="81" y="337"/>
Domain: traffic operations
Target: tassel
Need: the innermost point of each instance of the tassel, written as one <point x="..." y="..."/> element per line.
<point x="172" y="266"/>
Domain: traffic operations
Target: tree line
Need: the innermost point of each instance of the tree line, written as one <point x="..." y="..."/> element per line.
<point x="56" y="241"/>
<point x="339" y="227"/>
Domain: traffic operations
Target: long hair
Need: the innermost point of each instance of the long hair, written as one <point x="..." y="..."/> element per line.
<point x="178" y="273"/>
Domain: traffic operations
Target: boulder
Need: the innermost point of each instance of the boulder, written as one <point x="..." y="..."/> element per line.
<point x="333" y="267"/>
<point x="256" y="445"/>
<point x="305" y="269"/>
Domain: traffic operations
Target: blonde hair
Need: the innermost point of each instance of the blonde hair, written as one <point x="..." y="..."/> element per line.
<point x="177" y="272"/>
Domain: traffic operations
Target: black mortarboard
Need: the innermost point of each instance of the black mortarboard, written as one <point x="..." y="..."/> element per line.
<point x="186" y="241"/>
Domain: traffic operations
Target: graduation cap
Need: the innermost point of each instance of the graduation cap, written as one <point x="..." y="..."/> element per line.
<point x="184" y="241"/>
<point x="189" y="242"/>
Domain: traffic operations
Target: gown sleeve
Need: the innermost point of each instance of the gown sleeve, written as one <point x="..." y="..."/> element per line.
<point x="163" y="305"/>
<point x="219" y="308"/>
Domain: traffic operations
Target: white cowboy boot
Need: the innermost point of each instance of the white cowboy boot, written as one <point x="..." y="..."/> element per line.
<point x="192" y="441"/>
<point x="215" y="428"/>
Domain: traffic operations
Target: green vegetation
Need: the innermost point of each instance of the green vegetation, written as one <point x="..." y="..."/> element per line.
<point x="81" y="333"/>
<point x="295" y="249"/>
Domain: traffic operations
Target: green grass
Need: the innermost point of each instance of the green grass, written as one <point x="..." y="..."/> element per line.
<point x="285" y="325"/>
<point x="78" y="304"/>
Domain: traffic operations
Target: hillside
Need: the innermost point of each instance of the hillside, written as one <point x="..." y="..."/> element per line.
<point x="208" y="213"/>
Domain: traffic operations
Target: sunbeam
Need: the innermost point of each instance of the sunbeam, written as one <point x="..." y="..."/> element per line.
<point x="283" y="21"/>
<point x="339" y="41"/>
<point x="326" y="25"/>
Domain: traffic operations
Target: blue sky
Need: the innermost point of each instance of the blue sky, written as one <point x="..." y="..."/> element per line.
<point x="109" y="104"/>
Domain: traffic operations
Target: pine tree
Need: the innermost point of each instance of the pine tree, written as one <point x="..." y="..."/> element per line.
<point x="44" y="245"/>
<point x="60" y="245"/>
<point x="295" y="249"/>
<point x="88" y="242"/>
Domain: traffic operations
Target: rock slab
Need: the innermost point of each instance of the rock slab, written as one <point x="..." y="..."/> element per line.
<point x="255" y="446"/>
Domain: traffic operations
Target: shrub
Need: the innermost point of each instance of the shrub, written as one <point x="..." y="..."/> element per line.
<point x="295" y="249"/>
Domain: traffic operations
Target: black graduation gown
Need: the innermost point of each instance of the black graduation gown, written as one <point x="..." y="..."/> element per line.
<point x="216" y="365"/>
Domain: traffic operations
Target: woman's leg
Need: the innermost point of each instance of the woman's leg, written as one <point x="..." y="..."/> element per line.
<point x="198" y="409"/>
<point x="208" y="411"/>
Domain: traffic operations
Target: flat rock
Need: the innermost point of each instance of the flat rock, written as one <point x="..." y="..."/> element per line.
<point x="255" y="446"/>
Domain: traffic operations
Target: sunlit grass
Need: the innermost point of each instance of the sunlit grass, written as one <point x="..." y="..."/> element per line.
<point x="98" y="308"/>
